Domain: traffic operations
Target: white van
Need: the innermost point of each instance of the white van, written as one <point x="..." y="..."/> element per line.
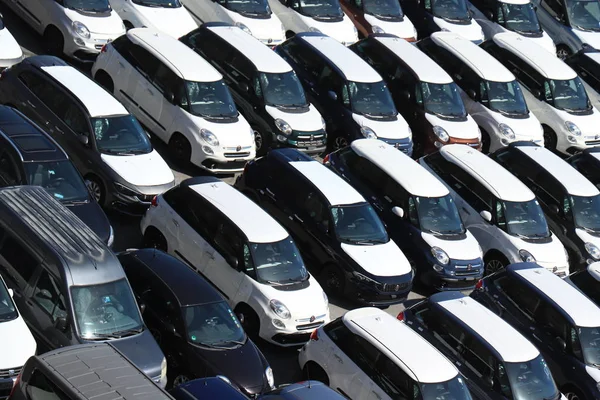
<point x="10" y="51"/>
<point x="168" y="16"/>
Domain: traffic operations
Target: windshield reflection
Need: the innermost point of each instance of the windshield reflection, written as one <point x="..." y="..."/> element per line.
<point x="530" y="380"/>
<point x="358" y="224"/>
<point x="504" y="97"/>
<point x="59" y="178"/>
<point x="519" y="18"/>
<point x="568" y="95"/>
<point x="584" y="14"/>
<point x="384" y="9"/>
<point x="283" y="90"/>
<point x="454" y="389"/>
<point x="8" y="311"/>
<point x="451" y="10"/>
<point x="88" y="5"/>
<point x="437" y="215"/>
<point x="247" y="8"/>
<point x="276" y="263"/>
<point x="371" y="99"/>
<point x="120" y="135"/>
<point x="209" y="99"/>
<point x="586" y="211"/>
<point x="442" y="100"/>
<point x="523" y="219"/>
<point x="319" y="8"/>
<point x="213" y="325"/>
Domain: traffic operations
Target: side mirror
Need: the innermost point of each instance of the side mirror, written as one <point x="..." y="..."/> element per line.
<point x="554" y="209"/>
<point x="405" y="94"/>
<point x="536" y="93"/>
<point x="170" y="96"/>
<point x="559" y="344"/>
<point x="241" y="318"/>
<point x="244" y="87"/>
<point x="534" y="8"/>
<point x="471" y="93"/>
<point x="11" y="293"/>
<point x="489" y="380"/>
<point x="84" y="139"/>
<point x="61" y="324"/>
<point x="142" y="306"/>
<point x="398" y="211"/>
<point x="489" y="15"/>
<point x="171" y="329"/>
<point x="332" y="95"/>
<point x="486" y="215"/>
<point x="233" y="261"/>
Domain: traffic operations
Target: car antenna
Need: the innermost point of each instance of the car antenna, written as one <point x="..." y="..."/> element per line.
<point x="308" y="376"/>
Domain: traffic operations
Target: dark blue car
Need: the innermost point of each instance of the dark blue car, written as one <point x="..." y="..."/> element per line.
<point x="307" y="390"/>
<point x="207" y="389"/>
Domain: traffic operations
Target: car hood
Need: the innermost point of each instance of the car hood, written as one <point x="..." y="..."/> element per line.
<point x="141" y="169"/>
<point x="594" y="373"/>
<point x="552" y="252"/>
<point x="111" y="25"/>
<point x="588" y="124"/>
<point x="470" y="32"/>
<point x="343" y="31"/>
<point x="307" y="121"/>
<point x="397" y="129"/>
<point x="143" y="351"/>
<point x="524" y="128"/>
<point x="464" y="249"/>
<point x="403" y="29"/>
<point x="229" y="134"/>
<point x="456" y="129"/>
<point x="591" y="38"/>
<point x="10" y="51"/>
<point x="175" y="22"/>
<point x="302" y="303"/>
<point x="12" y="333"/>
<point x="93" y="216"/>
<point x="263" y="29"/>
<point x="587" y="238"/>
<point x="380" y="260"/>
<point x="545" y="41"/>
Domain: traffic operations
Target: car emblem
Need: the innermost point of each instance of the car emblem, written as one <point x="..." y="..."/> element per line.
<point x="270" y="40"/>
<point x="312" y="137"/>
<point x="238" y="148"/>
<point x="469" y="267"/>
<point x="312" y="318"/>
<point x="11" y="372"/>
<point x="554" y="269"/>
<point x="597" y="137"/>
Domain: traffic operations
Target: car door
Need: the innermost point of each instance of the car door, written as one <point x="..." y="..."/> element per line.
<point x="35" y="12"/>
<point x="333" y="91"/>
<point x="32" y="100"/>
<point x="149" y="98"/>
<point x="166" y="93"/>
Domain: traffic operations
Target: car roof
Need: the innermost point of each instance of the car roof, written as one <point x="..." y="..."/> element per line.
<point x="510" y="345"/>
<point x="424" y="67"/>
<point x="349" y="63"/>
<point x="336" y="190"/>
<point x="474" y="56"/>
<point x="182" y="60"/>
<point x="257" y="225"/>
<point x="94" y="98"/>
<point x="263" y="58"/>
<point x="572" y="180"/>
<point x="408" y="173"/>
<point x="207" y="388"/>
<point x="543" y="61"/>
<point x="489" y="173"/>
<point x="576" y="305"/>
<point x="515" y="1"/>
<point x="412" y="353"/>
<point x="305" y="390"/>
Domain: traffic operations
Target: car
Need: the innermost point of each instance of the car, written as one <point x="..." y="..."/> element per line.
<point x="418" y="211"/>
<point x="69" y="287"/>
<point x="562" y="322"/>
<point x="587" y="65"/>
<point x="104" y="141"/>
<point x="10" y="53"/>
<point x="423" y="93"/>
<point x="373" y="16"/>
<point x="197" y="331"/>
<point x="77" y="30"/>
<point x="496" y="360"/>
<point x="587" y="281"/>
<point x="29" y="156"/>
<point x="341" y="237"/>
<point x="255" y="17"/>
<point x="368" y="353"/>
<point x="218" y="387"/>
<point x="244" y="253"/>
<point x="168" y="16"/>
<point x="491" y="94"/>
<point x="587" y="162"/>
<point x="519" y="16"/>
<point x="499" y="210"/>
<point x="349" y="94"/>
<point x="553" y="91"/>
<point x="265" y="88"/>
<point x="431" y="16"/>
<point x="305" y="390"/>
<point x="570" y="202"/>
<point x="17" y="342"/>
<point x="180" y="97"/>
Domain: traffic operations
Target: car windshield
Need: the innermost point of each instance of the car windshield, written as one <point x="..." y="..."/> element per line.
<point x="248" y="8"/>
<point x="454" y="389"/>
<point x="589" y="340"/>
<point x="88" y="5"/>
<point x="450" y="10"/>
<point x="522" y="218"/>
<point x="276" y="263"/>
<point x="371" y="99"/>
<point x="283" y="90"/>
<point x="442" y="100"/>
<point x="437" y="215"/>
<point x="213" y="324"/>
<point x="358" y="224"/>
<point x="530" y="380"/>
<point x="520" y="18"/>
<point x="568" y="95"/>
<point x="383" y="8"/>
<point x="209" y="99"/>
<point x="587" y="284"/>
<point x="584" y="14"/>
<point x="106" y="311"/>
<point x="503" y="97"/>
<point x="586" y="212"/>
<point x="120" y="135"/>
<point x="8" y="311"/>
<point x="59" y="178"/>
<point x="158" y="3"/>
<point x="318" y="8"/>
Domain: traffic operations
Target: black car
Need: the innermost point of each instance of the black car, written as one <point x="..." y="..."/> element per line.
<point x="29" y="156"/>
<point x="588" y="163"/>
<point x="586" y="63"/>
<point x="214" y="388"/>
<point x="559" y="319"/>
<point x="197" y="330"/>
<point x="587" y="281"/>
<point x="342" y="239"/>
<point x="306" y="390"/>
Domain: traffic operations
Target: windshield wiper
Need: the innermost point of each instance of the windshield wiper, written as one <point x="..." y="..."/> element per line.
<point x="589" y="229"/>
<point x="276" y="283"/>
<point x="229" y="341"/>
<point x="75" y="202"/>
<point x="128" y="332"/>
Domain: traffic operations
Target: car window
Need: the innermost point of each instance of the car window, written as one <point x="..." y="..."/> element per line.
<point x="48" y="296"/>
<point x="554" y="322"/>
<point x="229" y="241"/>
<point x="305" y="57"/>
<point x="364" y="170"/>
<point x="142" y="60"/>
<point x="587" y="69"/>
<point x="340" y="335"/>
<point x="165" y="79"/>
<point x="446" y="330"/>
<point x="517" y="292"/>
<point x="332" y="81"/>
<point x="161" y="302"/>
<point x="554" y="7"/>
<point x="75" y="119"/>
<point x="316" y="210"/>
<point x="364" y="355"/>
<point x="9" y="172"/>
<point x="587" y="168"/>
<point x="393" y="380"/>
<point x="40" y="387"/>
<point x="22" y="262"/>
<point x="212" y="47"/>
<point x="48" y="94"/>
<point x="479" y="359"/>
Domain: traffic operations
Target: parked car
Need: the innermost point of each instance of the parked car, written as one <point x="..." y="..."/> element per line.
<point x="305" y="390"/>
<point x="197" y="331"/>
<point x="349" y="94"/>
<point x="587" y="281"/>
<point x="68" y="286"/>
<point x="496" y="16"/>
<point x="587" y="162"/>
<point x="570" y="202"/>
<point x="168" y="16"/>
<point x="180" y="97"/>
<point x="10" y="51"/>
<point x="254" y="17"/>
<point x="491" y="94"/>
<point x="244" y="253"/>
<point x="29" y="156"/>
<point x="16" y="342"/>
<point x="554" y="93"/>
<point x="587" y="65"/>
<point x="562" y="322"/>
<point x="342" y="238"/>
<point x="499" y="210"/>
<point x="368" y="354"/>
<point x="265" y="88"/>
<point x="207" y="388"/>
<point x="418" y="211"/>
<point x="107" y="144"/>
<point x="371" y="16"/>
<point x="423" y="93"/>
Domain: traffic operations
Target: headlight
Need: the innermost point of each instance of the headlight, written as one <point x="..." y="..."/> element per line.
<point x="323" y="123"/>
<point x="363" y="278"/>
<point x="111" y="237"/>
<point x="209" y="137"/>
<point x="409" y="133"/>
<point x="355" y="30"/>
<point x="280" y="309"/>
<point x="506" y="131"/>
<point x="415" y="32"/>
<point x="313" y="29"/>
<point x="163" y="369"/>
<point x="81" y="29"/>
<point x="482" y="34"/>
<point x="479" y="134"/>
<point x="593" y="250"/>
<point x="377" y="29"/>
<point x="440" y="255"/>
<point x="572" y="128"/>
<point x="125" y="190"/>
<point x="283" y="126"/>
<point x="325" y="299"/>
<point x="243" y="27"/>
<point x="526" y="256"/>
<point x="368" y="132"/>
<point x="441" y="133"/>
<point x="270" y="378"/>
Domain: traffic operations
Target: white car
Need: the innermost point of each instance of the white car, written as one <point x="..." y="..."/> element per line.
<point x="554" y="93"/>
<point x="168" y="16"/>
<point x="179" y="96"/>
<point x="244" y="253"/>
<point x="10" y="51"/>
<point x="325" y="16"/>
<point x="498" y="209"/>
<point x="348" y="353"/>
<point x="491" y="94"/>
<point x="253" y="16"/>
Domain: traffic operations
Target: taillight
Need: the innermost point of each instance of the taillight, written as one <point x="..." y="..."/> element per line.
<point x="15" y="385"/>
<point x="326" y="160"/>
<point x="480" y="285"/>
<point x="154" y="202"/>
<point x="2" y="73"/>
<point x="103" y="49"/>
<point x="314" y="335"/>
<point x="400" y="316"/>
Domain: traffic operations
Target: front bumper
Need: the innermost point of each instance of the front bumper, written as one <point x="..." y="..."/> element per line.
<point x="559" y="270"/>
<point x="8" y="378"/>
<point x="307" y="142"/>
<point x="457" y="275"/>
<point x="226" y="160"/>
<point x="135" y="200"/>
<point x="86" y="50"/>
<point x="296" y="331"/>
<point x="380" y="295"/>
<point x="404" y="145"/>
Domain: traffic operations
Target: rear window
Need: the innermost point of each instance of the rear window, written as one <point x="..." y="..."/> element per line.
<point x="30" y="143"/>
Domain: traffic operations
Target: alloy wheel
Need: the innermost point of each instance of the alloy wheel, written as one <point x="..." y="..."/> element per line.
<point x="493" y="266"/>
<point x="340" y="142"/>
<point x="258" y="139"/>
<point x="179" y="379"/>
<point x="572" y="396"/>
<point x="95" y="189"/>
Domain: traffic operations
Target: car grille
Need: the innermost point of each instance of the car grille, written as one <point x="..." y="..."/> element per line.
<point x="306" y="327"/>
<point x="10" y="373"/>
<point x="467" y="270"/>
<point x="317" y="317"/>
<point x="237" y="155"/>
<point x="309" y="139"/>
<point x="98" y="46"/>
<point x="593" y="142"/>
<point x="393" y="287"/>
<point x="403" y="145"/>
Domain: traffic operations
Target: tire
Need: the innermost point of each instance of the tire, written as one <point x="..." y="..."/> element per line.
<point x="105" y="81"/>
<point x="562" y="51"/>
<point x="495" y="262"/>
<point x="313" y="371"/>
<point x="333" y="280"/>
<point x="96" y="188"/>
<point x="179" y="379"/>
<point x="485" y="141"/>
<point x="262" y="140"/>
<point x="180" y="148"/>
<point x="153" y="239"/>
<point x="339" y="142"/>
<point x="572" y="393"/>
<point x="550" y="140"/>
<point x="54" y="41"/>
<point x="249" y="319"/>
<point x="289" y="34"/>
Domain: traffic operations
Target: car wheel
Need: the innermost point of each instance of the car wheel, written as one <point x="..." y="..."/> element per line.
<point x="573" y="394"/>
<point x="550" y="140"/>
<point x="180" y="148"/>
<point x="485" y="141"/>
<point x="249" y="320"/>
<point x="96" y="189"/>
<point x="261" y="140"/>
<point x="128" y="25"/>
<point x="340" y="142"/>
<point x="153" y="239"/>
<point x="54" y="41"/>
<point x="105" y="81"/>
<point x="333" y="280"/>
<point x="313" y="371"/>
<point x="179" y="379"/>
<point x="562" y="51"/>
<point x="494" y="264"/>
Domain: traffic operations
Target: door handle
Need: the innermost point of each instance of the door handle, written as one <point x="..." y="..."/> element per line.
<point x="31" y="104"/>
<point x="209" y="255"/>
<point x="338" y="358"/>
<point x="298" y="218"/>
<point x="175" y="223"/>
<point x="378" y="206"/>
<point x="29" y="302"/>
<point x="59" y="130"/>
<point x="271" y="194"/>
<point x="121" y="64"/>
<point x="465" y="210"/>
<point x="375" y="395"/>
